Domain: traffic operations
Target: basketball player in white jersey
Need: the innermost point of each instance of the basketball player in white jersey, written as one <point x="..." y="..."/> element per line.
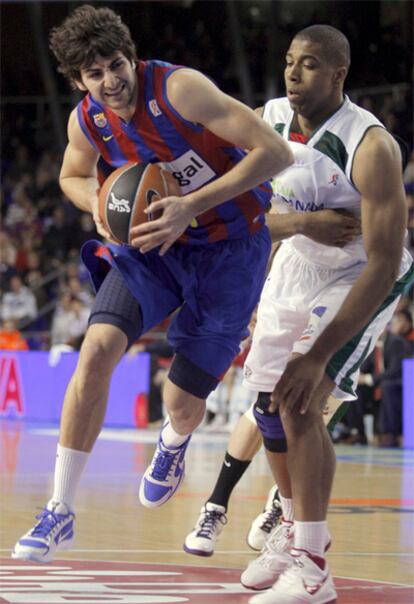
<point x="322" y="308"/>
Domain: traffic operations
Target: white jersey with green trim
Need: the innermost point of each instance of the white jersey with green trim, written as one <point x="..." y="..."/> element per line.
<point x="320" y="177"/>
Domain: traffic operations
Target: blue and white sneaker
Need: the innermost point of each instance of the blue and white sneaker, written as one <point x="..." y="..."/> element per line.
<point x="53" y="532"/>
<point x="165" y="474"/>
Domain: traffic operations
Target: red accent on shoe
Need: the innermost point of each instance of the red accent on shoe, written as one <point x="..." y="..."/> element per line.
<point x="321" y="562"/>
<point x="284" y="521"/>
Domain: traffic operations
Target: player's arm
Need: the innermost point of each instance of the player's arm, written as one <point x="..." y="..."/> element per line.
<point x="198" y="100"/>
<point x="330" y="227"/>
<point x="78" y="172"/>
<point x="377" y="176"/>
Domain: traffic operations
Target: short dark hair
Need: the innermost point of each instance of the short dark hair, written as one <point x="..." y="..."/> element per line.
<point x="334" y="44"/>
<point x="86" y="33"/>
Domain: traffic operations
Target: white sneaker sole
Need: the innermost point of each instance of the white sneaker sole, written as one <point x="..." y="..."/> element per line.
<point x="46" y="558"/>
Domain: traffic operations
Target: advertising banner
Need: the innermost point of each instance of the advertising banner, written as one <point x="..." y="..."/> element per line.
<point x="33" y="384"/>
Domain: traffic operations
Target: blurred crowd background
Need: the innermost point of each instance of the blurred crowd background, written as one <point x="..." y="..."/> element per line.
<point x="46" y="295"/>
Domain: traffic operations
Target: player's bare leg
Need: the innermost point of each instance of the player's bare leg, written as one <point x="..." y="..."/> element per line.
<point x="245" y="440"/>
<point x="86" y="396"/>
<point x="82" y="418"/>
<point x="185" y="411"/>
<point x="298" y="513"/>
<point x="311" y="457"/>
<point x="311" y="464"/>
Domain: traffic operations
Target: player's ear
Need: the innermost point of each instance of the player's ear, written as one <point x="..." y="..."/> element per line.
<point x="79" y="84"/>
<point x="340" y="75"/>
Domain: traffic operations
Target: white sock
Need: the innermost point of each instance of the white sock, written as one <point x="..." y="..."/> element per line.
<point x="287" y="508"/>
<point x="312" y="537"/>
<point x="170" y="437"/>
<point x="68" y="470"/>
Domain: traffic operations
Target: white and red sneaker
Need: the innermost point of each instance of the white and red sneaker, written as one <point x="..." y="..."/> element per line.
<point x="306" y="581"/>
<point x="273" y="560"/>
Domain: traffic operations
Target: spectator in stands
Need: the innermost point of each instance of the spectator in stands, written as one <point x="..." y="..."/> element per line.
<point x="26" y="247"/>
<point x="161" y="354"/>
<point x="58" y="235"/>
<point x="61" y="319"/>
<point x="19" y="303"/>
<point x="8" y="254"/>
<point x="351" y="429"/>
<point x="395" y="349"/>
<point x="85" y="230"/>
<point x="33" y="279"/>
<point x="10" y="337"/>
<point x="403" y="326"/>
<point x="69" y="323"/>
<point x="81" y="291"/>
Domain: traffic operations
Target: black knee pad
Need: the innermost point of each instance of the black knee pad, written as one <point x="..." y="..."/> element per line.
<point x="115" y="305"/>
<point x="269" y="424"/>
<point x="191" y="378"/>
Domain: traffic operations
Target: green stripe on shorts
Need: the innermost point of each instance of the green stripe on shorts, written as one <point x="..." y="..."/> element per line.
<point x="338" y="415"/>
<point x="341" y="357"/>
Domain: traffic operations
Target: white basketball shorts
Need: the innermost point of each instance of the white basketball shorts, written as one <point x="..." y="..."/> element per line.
<point x="298" y="301"/>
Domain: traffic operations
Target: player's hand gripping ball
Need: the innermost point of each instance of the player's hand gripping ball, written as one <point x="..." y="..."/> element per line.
<point x="127" y="192"/>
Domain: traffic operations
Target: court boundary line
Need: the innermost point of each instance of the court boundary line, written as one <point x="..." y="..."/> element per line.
<point x="221" y="552"/>
<point x="69" y="560"/>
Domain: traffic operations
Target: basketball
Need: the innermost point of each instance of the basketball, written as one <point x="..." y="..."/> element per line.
<point x="127" y="192"/>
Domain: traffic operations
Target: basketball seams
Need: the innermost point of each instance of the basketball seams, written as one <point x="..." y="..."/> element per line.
<point x="136" y="205"/>
<point x="110" y="184"/>
<point x="150" y="173"/>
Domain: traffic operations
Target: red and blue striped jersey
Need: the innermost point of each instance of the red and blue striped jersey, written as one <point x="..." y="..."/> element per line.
<point x="195" y="156"/>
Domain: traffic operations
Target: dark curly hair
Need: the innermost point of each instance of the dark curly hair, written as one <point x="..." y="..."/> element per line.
<point x="86" y="33"/>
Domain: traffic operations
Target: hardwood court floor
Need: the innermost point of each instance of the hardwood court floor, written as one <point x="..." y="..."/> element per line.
<point x="371" y="514"/>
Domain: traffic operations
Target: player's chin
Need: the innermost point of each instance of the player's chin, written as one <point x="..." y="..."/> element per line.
<point x="296" y="105"/>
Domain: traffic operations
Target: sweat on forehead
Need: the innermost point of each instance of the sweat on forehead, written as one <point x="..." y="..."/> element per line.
<point x="331" y="43"/>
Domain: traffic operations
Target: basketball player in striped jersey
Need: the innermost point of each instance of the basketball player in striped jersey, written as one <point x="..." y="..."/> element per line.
<point x="205" y="256"/>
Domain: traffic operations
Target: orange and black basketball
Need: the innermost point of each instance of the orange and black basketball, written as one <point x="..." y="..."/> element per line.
<point x="127" y="192"/>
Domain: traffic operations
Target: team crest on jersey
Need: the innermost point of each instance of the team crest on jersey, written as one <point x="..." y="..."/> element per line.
<point x="155" y="110"/>
<point x="334" y="180"/>
<point x="100" y="120"/>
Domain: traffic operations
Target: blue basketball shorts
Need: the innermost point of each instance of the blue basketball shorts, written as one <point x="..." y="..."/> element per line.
<point x="213" y="289"/>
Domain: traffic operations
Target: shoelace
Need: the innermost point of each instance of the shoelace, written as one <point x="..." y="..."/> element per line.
<point x="163" y="464"/>
<point x="209" y="522"/>
<point x="48" y="519"/>
<point x="272" y="516"/>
